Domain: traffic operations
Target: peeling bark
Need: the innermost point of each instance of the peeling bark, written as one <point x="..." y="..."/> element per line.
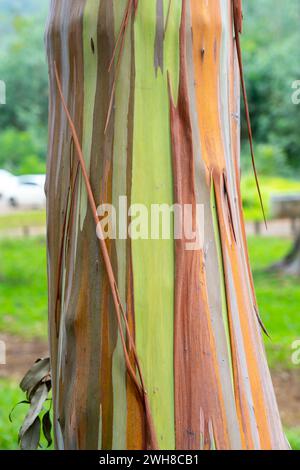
<point x="152" y="93"/>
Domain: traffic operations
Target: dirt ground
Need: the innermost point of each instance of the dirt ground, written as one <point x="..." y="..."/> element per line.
<point x="20" y="355"/>
<point x="287" y="389"/>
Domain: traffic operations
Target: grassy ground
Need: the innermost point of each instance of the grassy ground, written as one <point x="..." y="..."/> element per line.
<point x="23" y="219"/>
<point x="23" y="287"/>
<point x="269" y="186"/>
<point x="10" y="395"/>
<point x="23" y="310"/>
<point x="278" y="299"/>
<point x="23" y="296"/>
<point x="293" y="436"/>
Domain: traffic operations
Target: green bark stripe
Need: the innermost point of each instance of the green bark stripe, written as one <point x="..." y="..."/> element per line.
<point x="153" y="260"/>
<point x="122" y="96"/>
<point x="222" y="278"/>
<point x="89" y="34"/>
<point x="171" y="44"/>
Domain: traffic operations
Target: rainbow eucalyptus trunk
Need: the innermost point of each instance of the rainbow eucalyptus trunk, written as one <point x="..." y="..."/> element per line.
<point x="152" y="88"/>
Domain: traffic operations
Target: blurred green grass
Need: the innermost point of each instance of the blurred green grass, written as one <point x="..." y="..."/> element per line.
<point x="293" y="436"/>
<point x="23" y="287"/>
<point x="23" y="292"/>
<point x="22" y="219"/>
<point x="278" y="299"/>
<point x="269" y="185"/>
<point x="10" y="395"/>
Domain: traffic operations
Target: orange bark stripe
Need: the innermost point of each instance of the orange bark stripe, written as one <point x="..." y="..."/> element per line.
<point x="197" y="386"/>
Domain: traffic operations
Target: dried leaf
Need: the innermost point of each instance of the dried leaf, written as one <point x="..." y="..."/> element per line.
<point x="36" y="384"/>
<point x="31" y="438"/>
<point x="36" y="374"/>
<point x="47" y="426"/>
<point x="36" y="406"/>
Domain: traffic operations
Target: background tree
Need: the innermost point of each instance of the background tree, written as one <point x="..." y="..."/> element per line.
<point x="271" y="68"/>
<point x="23" y="119"/>
<point x="271" y="53"/>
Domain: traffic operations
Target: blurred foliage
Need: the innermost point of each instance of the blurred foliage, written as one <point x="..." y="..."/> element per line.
<point x="20" y="152"/>
<point x="269" y="186"/>
<point x="10" y="395"/>
<point x="23" y="68"/>
<point x="271" y="60"/>
<point x="269" y="160"/>
<point x="23" y="120"/>
<point x="271" y="56"/>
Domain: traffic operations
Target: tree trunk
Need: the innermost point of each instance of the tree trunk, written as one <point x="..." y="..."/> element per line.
<point x="290" y="264"/>
<point x="159" y="124"/>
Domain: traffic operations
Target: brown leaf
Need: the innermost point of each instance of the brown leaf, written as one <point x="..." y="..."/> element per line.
<point x="47" y="426"/>
<point x="36" y="406"/>
<point x="38" y="372"/>
<point x="31" y="438"/>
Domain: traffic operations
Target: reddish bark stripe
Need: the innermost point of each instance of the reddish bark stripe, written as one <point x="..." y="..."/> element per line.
<point x="196" y="387"/>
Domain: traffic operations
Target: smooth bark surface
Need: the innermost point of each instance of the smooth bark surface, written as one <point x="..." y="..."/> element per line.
<point x="160" y="125"/>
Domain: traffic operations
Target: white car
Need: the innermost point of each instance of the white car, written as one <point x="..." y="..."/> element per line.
<point x="28" y="191"/>
<point x="7" y="181"/>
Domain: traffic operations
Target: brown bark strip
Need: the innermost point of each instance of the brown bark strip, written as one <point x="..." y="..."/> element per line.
<point x="65" y="232"/>
<point x="64" y="46"/>
<point x="101" y="168"/>
<point x="74" y="403"/>
<point x="238" y="14"/>
<point x="106" y="371"/>
<point x="53" y="230"/>
<point x="136" y="425"/>
<point x="198" y="399"/>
